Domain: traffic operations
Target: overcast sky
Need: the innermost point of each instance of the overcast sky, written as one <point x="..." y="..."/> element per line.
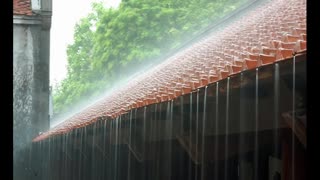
<point x="66" y="13"/>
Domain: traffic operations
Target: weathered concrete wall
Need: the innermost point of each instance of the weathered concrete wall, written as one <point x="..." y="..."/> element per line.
<point x="25" y="51"/>
<point x="31" y="46"/>
<point x="30" y="94"/>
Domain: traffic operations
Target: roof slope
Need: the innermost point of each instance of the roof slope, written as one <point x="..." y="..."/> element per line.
<point x="271" y="32"/>
<point x="22" y="7"/>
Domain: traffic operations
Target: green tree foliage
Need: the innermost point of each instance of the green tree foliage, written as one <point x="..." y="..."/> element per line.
<point x="110" y="44"/>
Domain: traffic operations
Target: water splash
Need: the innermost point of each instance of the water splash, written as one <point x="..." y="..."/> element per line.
<point x="129" y="153"/>
<point x="227" y="131"/>
<point x="197" y="132"/>
<point x="256" y="140"/>
<point x="293" y="116"/>
<point x="216" y="144"/>
<point x="276" y="109"/>
<point x="190" y="137"/>
<point x="203" y="134"/>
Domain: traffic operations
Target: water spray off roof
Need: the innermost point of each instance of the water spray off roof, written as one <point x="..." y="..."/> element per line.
<point x="271" y="32"/>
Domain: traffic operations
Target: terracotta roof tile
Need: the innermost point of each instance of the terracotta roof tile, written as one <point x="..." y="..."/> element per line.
<point x="260" y="37"/>
<point x="22" y="7"/>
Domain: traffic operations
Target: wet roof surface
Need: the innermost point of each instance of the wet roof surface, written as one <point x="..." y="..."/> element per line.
<point x="271" y="32"/>
<point x="22" y="7"/>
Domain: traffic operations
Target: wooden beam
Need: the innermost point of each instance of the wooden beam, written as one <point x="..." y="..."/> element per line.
<point x="235" y="147"/>
<point x="298" y="127"/>
<point x="186" y="144"/>
<point x="136" y="154"/>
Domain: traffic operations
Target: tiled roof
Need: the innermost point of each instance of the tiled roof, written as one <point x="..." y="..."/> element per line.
<point x="271" y="32"/>
<point x="22" y="7"/>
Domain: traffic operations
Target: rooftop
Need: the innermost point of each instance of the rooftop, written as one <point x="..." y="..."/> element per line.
<point x="271" y="32"/>
<point x="22" y="7"/>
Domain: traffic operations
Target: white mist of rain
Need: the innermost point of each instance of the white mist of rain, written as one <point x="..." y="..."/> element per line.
<point x="65" y="15"/>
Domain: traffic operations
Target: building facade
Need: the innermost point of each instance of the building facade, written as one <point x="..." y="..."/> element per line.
<point x="31" y="42"/>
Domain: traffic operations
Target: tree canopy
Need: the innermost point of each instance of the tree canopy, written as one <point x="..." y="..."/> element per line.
<point x="110" y="44"/>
